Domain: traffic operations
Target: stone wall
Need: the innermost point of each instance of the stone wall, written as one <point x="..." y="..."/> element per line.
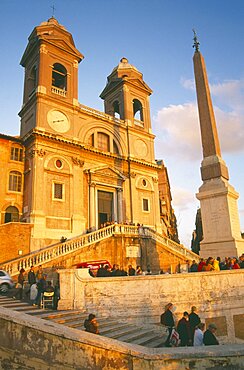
<point x="14" y="237"/>
<point x="141" y="299"/>
<point x="31" y="343"/>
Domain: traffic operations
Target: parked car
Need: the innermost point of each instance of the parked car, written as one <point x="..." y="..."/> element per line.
<point x="93" y="265"/>
<point x="6" y="282"/>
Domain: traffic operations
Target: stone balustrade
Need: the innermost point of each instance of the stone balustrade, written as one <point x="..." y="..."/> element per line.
<point x="171" y="244"/>
<point x="99" y="114"/>
<point x="58" y="91"/>
<point x="53" y="252"/>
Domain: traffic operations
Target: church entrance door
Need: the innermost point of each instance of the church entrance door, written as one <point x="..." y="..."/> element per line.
<point x="105" y="207"/>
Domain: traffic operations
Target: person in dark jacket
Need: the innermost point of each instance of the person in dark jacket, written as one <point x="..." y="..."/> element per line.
<point x="103" y="271"/>
<point x="167" y="319"/>
<point x="41" y="287"/>
<point x="91" y="324"/>
<point x="209" y="337"/>
<point x="194" y="321"/>
<point x="131" y="271"/>
<point x="31" y="276"/>
<point x="20" y="285"/>
<point x="184" y="331"/>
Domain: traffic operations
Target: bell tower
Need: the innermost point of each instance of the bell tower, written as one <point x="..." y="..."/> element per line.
<point x="51" y="75"/>
<point x="126" y="96"/>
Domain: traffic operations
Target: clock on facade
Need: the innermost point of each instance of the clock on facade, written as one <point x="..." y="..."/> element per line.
<point x="58" y="121"/>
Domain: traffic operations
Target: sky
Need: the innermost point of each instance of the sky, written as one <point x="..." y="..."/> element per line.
<point x="156" y="37"/>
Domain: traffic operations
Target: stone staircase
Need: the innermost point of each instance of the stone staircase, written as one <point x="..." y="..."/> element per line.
<point x="110" y="328"/>
<point x="50" y="255"/>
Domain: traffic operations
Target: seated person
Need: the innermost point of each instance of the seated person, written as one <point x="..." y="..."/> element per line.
<point x="91" y="324"/>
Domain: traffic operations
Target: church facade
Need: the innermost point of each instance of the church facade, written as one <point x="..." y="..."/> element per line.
<point x="80" y="168"/>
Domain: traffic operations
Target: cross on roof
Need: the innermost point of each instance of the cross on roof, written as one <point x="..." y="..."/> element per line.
<point x="53" y="8"/>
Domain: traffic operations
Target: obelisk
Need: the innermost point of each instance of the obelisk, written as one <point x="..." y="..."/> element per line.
<point x="218" y="199"/>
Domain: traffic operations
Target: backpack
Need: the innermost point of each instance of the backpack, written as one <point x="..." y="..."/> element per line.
<point x="163" y="319"/>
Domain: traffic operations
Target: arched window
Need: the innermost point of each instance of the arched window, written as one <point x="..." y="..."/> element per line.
<point x="116" y="109"/>
<point x="137" y="110"/>
<point x="59" y="76"/>
<point x="15" y="181"/>
<point x="11" y="214"/>
<point x="103" y="142"/>
<point x="32" y="79"/>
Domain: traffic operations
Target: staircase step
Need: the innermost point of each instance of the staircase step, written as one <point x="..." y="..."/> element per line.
<point x="129" y="338"/>
<point x="61" y="314"/>
<point x="111" y="328"/>
<point x="75" y="319"/>
<point x="148" y="338"/>
<point x="103" y="326"/>
<point x="15" y="304"/>
<point x="157" y="343"/>
<point x="117" y="333"/>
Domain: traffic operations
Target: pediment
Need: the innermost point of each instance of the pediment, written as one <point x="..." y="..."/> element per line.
<point x="107" y="172"/>
<point x="63" y="44"/>
<point x="139" y="83"/>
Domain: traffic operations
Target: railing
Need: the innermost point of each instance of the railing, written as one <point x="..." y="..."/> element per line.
<point x="179" y="248"/>
<point x="57" y="250"/>
<point x="58" y="91"/>
<point x="100" y="114"/>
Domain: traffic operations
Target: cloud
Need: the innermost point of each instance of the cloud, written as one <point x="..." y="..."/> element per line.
<point x="178" y="131"/>
<point x="230" y="93"/>
<point x="178" y="128"/>
<point x="188" y="84"/>
<point x="182" y="198"/>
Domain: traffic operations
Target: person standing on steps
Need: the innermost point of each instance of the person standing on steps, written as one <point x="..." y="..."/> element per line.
<point x="167" y="319"/>
<point x="194" y="320"/>
<point x="31" y="276"/>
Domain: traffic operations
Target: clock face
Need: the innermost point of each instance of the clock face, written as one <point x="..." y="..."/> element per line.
<point x="58" y="121"/>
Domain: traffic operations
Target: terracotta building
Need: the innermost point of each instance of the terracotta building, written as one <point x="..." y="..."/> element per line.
<point x="83" y="168"/>
<point x="12" y="178"/>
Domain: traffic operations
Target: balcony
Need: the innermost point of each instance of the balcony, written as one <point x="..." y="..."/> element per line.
<point x="58" y="91"/>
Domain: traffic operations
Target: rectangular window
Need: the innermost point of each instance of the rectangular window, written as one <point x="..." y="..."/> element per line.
<point x="58" y="192"/>
<point x="16" y="154"/>
<point x="103" y="142"/>
<point x="145" y="205"/>
<point x="15" y="181"/>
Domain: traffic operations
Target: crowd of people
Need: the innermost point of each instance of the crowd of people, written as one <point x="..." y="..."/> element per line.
<point x="212" y="264"/>
<point x="189" y="331"/>
<point x="209" y="264"/>
<point x="106" y="271"/>
<point x="32" y="285"/>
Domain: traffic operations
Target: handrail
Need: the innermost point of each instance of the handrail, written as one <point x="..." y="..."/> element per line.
<point x="54" y="251"/>
<point x="180" y="248"/>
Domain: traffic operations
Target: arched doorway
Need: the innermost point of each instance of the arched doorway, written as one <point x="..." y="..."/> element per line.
<point x="11" y="214"/>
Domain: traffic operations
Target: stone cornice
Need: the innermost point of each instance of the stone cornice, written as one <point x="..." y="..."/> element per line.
<point x="76" y="143"/>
